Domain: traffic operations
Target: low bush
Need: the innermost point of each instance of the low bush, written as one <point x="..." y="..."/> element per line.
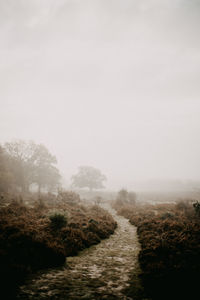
<point x="58" y="221"/>
<point x="125" y="198"/>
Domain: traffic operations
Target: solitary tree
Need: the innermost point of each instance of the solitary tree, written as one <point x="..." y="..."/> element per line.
<point x="88" y="177"/>
<point x="123" y="195"/>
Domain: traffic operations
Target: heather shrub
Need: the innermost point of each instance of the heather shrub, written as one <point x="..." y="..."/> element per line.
<point x="170" y="248"/>
<point x="58" y="221"/>
<point x="32" y="238"/>
<point x="167" y="215"/>
<point x="68" y="197"/>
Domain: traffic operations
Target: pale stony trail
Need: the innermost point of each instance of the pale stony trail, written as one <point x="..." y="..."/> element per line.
<point x="100" y="272"/>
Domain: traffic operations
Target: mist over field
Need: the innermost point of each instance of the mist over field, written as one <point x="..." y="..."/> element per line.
<point x="99" y="149"/>
<point x="104" y="83"/>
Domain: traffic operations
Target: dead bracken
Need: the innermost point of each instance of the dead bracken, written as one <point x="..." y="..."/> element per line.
<point x="100" y="272"/>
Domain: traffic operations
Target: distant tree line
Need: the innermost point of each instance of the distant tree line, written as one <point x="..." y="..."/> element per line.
<point x="23" y="164"/>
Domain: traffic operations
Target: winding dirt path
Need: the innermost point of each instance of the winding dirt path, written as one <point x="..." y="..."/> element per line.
<point x="100" y="272"/>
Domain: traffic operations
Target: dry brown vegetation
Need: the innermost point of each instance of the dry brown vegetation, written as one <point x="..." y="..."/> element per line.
<point x="170" y="247"/>
<point x="41" y="236"/>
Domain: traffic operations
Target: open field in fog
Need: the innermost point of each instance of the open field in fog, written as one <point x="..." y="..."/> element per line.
<point x="100" y="149"/>
<point x="155" y="249"/>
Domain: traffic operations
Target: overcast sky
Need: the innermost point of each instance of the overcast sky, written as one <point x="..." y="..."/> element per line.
<point x="114" y="84"/>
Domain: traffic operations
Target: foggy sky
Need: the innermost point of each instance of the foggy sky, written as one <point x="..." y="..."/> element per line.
<point x="114" y="84"/>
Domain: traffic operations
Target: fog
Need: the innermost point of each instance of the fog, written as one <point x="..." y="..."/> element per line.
<point x="111" y="84"/>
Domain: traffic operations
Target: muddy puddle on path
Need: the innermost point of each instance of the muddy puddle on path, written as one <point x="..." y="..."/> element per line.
<point x="100" y="272"/>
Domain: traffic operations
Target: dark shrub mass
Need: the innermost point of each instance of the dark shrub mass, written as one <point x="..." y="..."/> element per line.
<point x="170" y="249"/>
<point x="58" y="221"/>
